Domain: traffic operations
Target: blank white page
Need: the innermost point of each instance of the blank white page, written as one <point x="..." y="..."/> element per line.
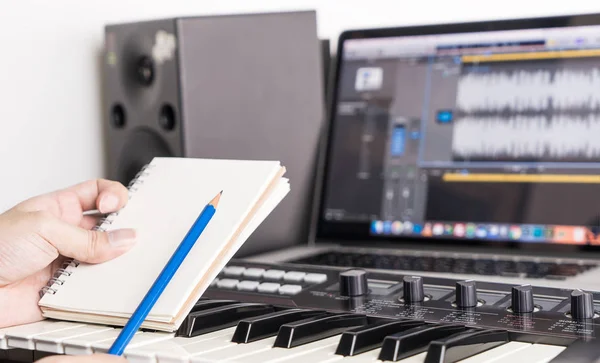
<point x="162" y="209"/>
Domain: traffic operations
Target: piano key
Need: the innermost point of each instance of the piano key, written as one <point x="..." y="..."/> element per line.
<point x="464" y="345"/>
<point x="415" y="340"/>
<point x="263" y="326"/>
<point x="82" y="345"/>
<point x="579" y="351"/>
<point x="22" y="336"/>
<point x="276" y="354"/>
<point x="535" y="353"/>
<point x="138" y="340"/>
<point x="370" y="353"/>
<point x="186" y="351"/>
<point x="495" y="354"/>
<point x="221" y="317"/>
<point x="369" y="337"/>
<point x="232" y="351"/>
<point x="174" y="347"/>
<point x="322" y="355"/>
<point x="52" y="342"/>
<point x="210" y="304"/>
<point x="306" y="331"/>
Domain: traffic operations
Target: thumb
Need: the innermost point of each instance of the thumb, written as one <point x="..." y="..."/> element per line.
<point x="86" y="245"/>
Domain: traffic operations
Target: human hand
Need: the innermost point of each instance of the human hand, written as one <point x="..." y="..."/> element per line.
<point x="37" y="234"/>
<point x="94" y="358"/>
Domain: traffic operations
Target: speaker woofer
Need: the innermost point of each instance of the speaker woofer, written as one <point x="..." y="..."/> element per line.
<point x="141" y="147"/>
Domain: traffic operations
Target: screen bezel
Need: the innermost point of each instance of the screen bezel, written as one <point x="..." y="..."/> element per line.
<point x="347" y="233"/>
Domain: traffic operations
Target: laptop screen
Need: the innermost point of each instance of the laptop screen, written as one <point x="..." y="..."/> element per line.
<point x="472" y="135"/>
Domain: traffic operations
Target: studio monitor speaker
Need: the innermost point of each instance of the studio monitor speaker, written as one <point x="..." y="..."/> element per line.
<point x="247" y="86"/>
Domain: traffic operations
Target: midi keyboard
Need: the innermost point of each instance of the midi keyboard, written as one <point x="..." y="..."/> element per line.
<point x="257" y="312"/>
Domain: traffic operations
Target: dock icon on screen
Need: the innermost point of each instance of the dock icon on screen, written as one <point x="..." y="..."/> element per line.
<point x="368" y="79"/>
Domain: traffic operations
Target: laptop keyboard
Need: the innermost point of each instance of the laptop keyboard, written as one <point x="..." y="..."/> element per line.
<point x="531" y="269"/>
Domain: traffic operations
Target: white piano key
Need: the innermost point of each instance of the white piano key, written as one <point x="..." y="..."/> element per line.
<point x="283" y="354"/>
<point x="372" y="356"/>
<point x="172" y="346"/>
<point x="498" y="353"/>
<point x="139" y="340"/>
<point x="366" y="357"/>
<point x="323" y="355"/>
<point x="419" y="358"/>
<point x="236" y="351"/>
<point x="22" y="336"/>
<point x="52" y="342"/>
<point x="83" y="345"/>
<point x="187" y="351"/>
<point x="535" y="353"/>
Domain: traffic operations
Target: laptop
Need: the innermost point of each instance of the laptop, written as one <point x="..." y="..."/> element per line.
<point x="467" y="150"/>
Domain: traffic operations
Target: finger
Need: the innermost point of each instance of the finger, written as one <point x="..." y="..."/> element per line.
<point x="82" y="244"/>
<point x="93" y="358"/>
<point x="105" y="195"/>
<point x="68" y="204"/>
<point x="88" y="222"/>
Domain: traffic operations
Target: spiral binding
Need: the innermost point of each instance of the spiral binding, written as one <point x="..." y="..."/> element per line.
<point x="57" y="278"/>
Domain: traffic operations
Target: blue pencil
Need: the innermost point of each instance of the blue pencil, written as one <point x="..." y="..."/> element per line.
<point x="142" y="311"/>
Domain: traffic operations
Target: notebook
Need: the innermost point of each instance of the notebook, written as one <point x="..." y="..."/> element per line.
<point x="164" y="200"/>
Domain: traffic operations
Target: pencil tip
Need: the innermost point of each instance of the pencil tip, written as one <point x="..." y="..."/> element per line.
<point x="215" y="200"/>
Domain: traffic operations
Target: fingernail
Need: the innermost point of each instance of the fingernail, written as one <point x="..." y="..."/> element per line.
<point x="122" y="237"/>
<point x="109" y="202"/>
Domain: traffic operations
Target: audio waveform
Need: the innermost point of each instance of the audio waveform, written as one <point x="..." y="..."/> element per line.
<point x="523" y="90"/>
<point x="527" y="138"/>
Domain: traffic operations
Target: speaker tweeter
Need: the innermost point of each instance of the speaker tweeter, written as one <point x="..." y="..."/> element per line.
<point x="145" y="71"/>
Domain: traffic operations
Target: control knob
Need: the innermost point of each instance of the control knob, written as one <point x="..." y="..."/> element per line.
<point x="353" y="283"/>
<point x="582" y="305"/>
<point x="522" y="299"/>
<point x="466" y="294"/>
<point x="413" y="289"/>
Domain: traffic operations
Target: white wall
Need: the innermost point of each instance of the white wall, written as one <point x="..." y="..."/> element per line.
<point x="49" y="84"/>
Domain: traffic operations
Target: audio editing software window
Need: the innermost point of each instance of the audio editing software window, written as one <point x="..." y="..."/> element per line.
<point x="488" y="135"/>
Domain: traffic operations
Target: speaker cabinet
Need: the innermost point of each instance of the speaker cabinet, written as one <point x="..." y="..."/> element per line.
<point x="245" y="86"/>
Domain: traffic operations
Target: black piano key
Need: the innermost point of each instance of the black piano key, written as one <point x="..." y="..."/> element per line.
<point x="210" y="304"/>
<point x="310" y="330"/>
<point x="362" y="339"/>
<point x="414" y="341"/>
<point x="580" y="351"/>
<point x="464" y="345"/>
<point x="263" y="326"/>
<point x="222" y="317"/>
